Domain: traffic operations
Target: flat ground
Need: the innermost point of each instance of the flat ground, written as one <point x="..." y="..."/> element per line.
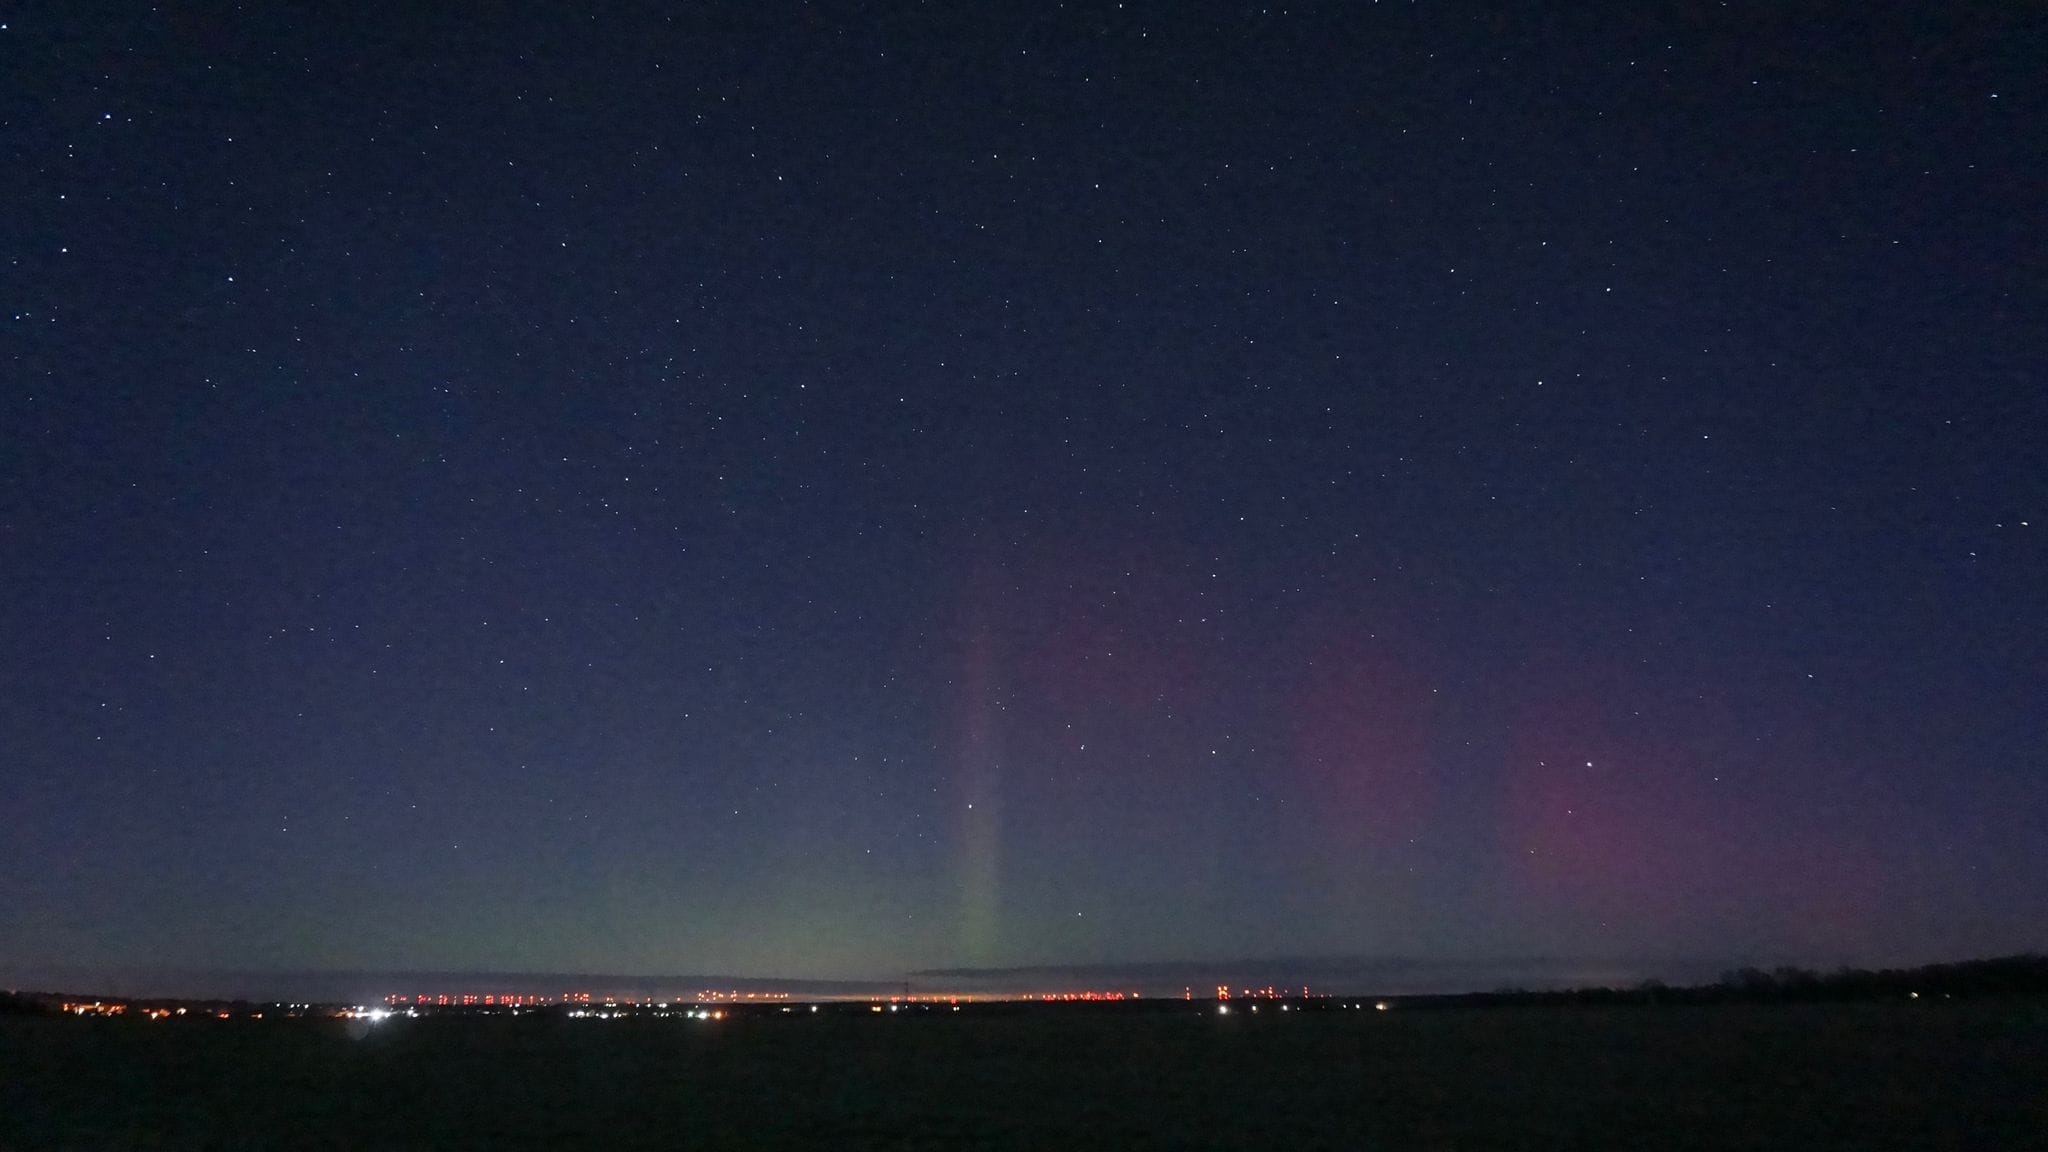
<point x="1924" y="1076"/>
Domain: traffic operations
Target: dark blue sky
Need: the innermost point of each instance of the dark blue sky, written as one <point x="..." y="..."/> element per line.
<point x="833" y="490"/>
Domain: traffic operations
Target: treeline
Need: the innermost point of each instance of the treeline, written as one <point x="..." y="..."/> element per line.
<point x="14" y="1004"/>
<point x="32" y="1003"/>
<point x="2022" y="975"/>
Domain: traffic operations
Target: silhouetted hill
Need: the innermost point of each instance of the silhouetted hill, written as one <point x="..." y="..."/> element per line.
<point x="2023" y="975"/>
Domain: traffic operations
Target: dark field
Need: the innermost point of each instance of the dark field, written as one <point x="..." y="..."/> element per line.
<point x="1848" y="1076"/>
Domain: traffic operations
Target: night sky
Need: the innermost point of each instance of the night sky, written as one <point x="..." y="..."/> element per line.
<point x="832" y="490"/>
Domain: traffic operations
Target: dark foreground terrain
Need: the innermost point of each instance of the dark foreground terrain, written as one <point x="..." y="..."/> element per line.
<point x="1918" y="1076"/>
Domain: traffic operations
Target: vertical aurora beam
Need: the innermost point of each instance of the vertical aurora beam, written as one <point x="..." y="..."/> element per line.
<point x="977" y="757"/>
